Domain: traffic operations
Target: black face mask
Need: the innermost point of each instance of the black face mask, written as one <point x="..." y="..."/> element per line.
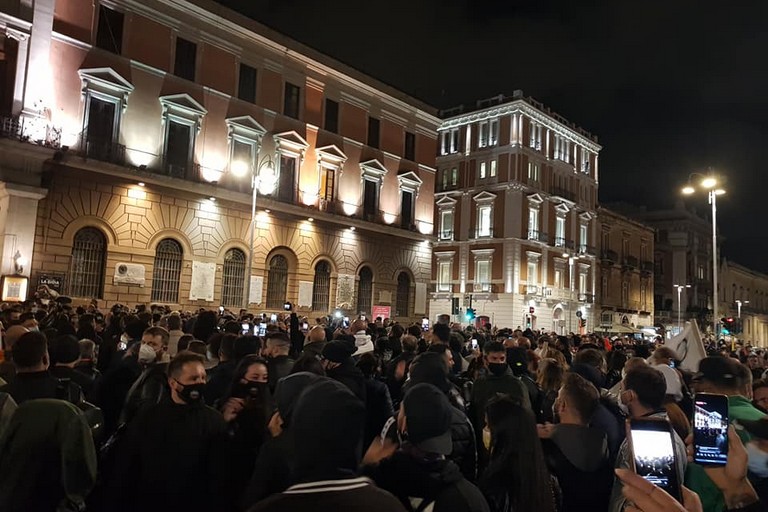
<point x="498" y="369"/>
<point x="251" y="390"/>
<point x="192" y="393"/>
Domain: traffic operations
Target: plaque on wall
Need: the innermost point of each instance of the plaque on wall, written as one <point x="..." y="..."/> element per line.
<point x="385" y="297"/>
<point x="421" y="299"/>
<point x="257" y="289"/>
<point x="53" y="280"/>
<point x="129" y="273"/>
<point x="203" y="280"/>
<point x="345" y="291"/>
<point x="305" y="293"/>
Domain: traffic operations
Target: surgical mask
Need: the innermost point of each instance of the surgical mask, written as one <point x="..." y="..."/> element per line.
<point x="192" y="393"/>
<point x="487" y="438"/>
<point x="758" y="460"/>
<point x="498" y="369"/>
<point x="147" y="354"/>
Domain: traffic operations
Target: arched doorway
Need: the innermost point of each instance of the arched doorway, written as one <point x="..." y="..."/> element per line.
<point x="558" y="320"/>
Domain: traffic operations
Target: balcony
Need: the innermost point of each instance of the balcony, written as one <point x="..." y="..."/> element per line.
<point x="586" y="249"/>
<point x="531" y="289"/>
<point x="10" y="127"/>
<point x="647" y="268"/>
<point x="189" y="171"/>
<point x="445" y="235"/>
<point x="587" y="298"/>
<point x="103" y="150"/>
<point x="484" y="288"/>
<point x="560" y="241"/>
<point x="537" y="236"/>
<point x="630" y="263"/>
<point x="478" y="234"/>
<point x="609" y="257"/>
<point x="564" y="193"/>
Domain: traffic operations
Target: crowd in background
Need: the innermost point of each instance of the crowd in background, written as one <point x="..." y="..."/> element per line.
<point x="152" y="409"/>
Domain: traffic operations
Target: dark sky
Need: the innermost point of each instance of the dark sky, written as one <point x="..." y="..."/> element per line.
<point x="668" y="87"/>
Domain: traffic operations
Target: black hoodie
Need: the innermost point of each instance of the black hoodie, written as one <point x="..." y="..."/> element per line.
<point x="414" y="478"/>
<point x="578" y="456"/>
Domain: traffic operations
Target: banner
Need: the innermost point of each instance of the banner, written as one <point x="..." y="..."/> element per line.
<point x="689" y="346"/>
<point x="381" y="311"/>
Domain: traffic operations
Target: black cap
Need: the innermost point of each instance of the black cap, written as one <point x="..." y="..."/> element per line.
<point x="338" y="351"/>
<point x="428" y="419"/>
<point x="718" y="370"/>
<point x="288" y="390"/>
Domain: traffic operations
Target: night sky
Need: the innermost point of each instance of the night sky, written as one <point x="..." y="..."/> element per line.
<point x="668" y="87"/>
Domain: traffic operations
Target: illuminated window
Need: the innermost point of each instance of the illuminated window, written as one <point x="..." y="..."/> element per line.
<point x="493" y="168"/>
<point x="483" y="171"/>
<point x="449" y="142"/>
<point x="533" y="172"/>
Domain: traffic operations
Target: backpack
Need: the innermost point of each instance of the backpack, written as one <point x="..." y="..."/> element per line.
<point x="70" y="392"/>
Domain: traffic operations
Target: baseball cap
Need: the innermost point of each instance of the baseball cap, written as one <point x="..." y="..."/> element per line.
<point x="717" y="370"/>
<point x="428" y="419"/>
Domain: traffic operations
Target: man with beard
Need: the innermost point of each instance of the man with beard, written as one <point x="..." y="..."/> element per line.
<point x="176" y="453"/>
<point x="152" y="385"/>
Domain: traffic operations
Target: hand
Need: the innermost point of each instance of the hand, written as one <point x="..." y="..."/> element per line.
<point x="647" y="497"/>
<point x="545" y="431"/>
<point x="732" y="478"/>
<point x="379" y="450"/>
<point x="275" y="425"/>
<point x="232" y="408"/>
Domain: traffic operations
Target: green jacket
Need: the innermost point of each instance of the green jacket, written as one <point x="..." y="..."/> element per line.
<point x="739" y="408"/>
<point x="47" y="456"/>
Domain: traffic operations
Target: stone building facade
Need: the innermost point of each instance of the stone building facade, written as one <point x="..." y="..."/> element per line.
<point x="135" y="164"/>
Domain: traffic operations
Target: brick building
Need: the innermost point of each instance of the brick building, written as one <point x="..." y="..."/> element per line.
<point x="132" y="134"/>
<point x="515" y="215"/>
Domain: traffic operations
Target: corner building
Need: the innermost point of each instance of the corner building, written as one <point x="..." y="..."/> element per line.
<point x="130" y="138"/>
<point x="515" y="213"/>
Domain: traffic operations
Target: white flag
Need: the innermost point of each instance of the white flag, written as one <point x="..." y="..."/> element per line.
<point x="689" y="346"/>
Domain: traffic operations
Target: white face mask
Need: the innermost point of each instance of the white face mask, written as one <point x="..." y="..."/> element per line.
<point x="758" y="460"/>
<point x="147" y="354"/>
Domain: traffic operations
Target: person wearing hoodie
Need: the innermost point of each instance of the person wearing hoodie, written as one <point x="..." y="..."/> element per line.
<point x="576" y="453"/>
<point x="327" y="454"/>
<point x="424" y="426"/>
<point x="276" y="350"/>
<point x="431" y="368"/>
<point x="362" y="338"/>
<point x="339" y="365"/>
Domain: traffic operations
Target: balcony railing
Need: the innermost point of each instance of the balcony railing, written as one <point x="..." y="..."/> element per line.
<point x="445" y="234"/>
<point x="630" y="262"/>
<point x="586" y="249"/>
<point x="478" y="233"/>
<point x="537" y="236"/>
<point x="189" y="171"/>
<point x="609" y="256"/>
<point x="484" y="288"/>
<point x="564" y="193"/>
<point x="103" y="150"/>
<point x="588" y="298"/>
<point x="531" y="289"/>
<point x="560" y="241"/>
<point x="10" y="127"/>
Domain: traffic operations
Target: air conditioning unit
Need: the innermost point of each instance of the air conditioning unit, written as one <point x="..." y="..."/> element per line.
<point x="130" y="273"/>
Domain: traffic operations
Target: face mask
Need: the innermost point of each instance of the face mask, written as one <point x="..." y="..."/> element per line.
<point x="498" y="369"/>
<point x="487" y="438"/>
<point x="758" y="460"/>
<point x="192" y="393"/>
<point x="146" y="354"/>
<point x="252" y="389"/>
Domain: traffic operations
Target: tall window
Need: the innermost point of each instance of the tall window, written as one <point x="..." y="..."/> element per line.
<point x="321" y="288"/>
<point x="410" y="146"/>
<point x="403" y="294"/>
<point x="446" y="225"/>
<point x="533" y="271"/>
<point x="483" y="274"/>
<point x="582" y="283"/>
<point x="454" y="176"/>
<point x="484" y="214"/>
<point x="583" y="230"/>
<point x="406" y="209"/>
<point x="292" y="93"/>
<point x="370" y="198"/>
<point x="625" y="294"/>
<point x="449" y="142"/>
<point x="373" y="132"/>
<point x="86" y="270"/>
<point x="560" y="232"/>
<point x="444" y="277"/>
<point x="533" y="224"/>
<point x="277" y="282"/>
<point x="100" y="131"/>
<point x="558" y="278"/>
<point x="327" y="182"/>
<point x="536" y="135"/>
<point x="233" y="278"/>
<point x="483" y="135"/>
<point x="492" y="166"/>
<point x="483" y="170"/>
<point x="331" y="116"/>
<point x="533" y="172"/>
<point x="184" y="63"/>
<point x="178" y="152"/>
<point x="246" y="88"/>
<point x="167" y="272"/>
<point x="365" y="290"/>
<point x="109" y="32"/>
<point x="287" y="179"/>
<point x="493" y="136"/>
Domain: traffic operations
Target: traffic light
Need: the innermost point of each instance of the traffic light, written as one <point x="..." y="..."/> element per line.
<point x="727" y="325"/>
<point x="470" y="314"/>
<point x="582" y="322"/>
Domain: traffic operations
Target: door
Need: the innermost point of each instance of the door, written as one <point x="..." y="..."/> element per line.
<point x="406" y="210"/>
<point x="287" y="179"/>
<point x="370" y="199"/>
<point x="100" y="131"/>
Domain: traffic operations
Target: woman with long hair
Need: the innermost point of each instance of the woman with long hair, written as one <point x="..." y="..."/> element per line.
<point x="516" y="479"/>
<point x="549" y="379"/>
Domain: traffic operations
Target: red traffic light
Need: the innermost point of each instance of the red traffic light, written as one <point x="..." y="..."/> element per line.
<point x="729" y="320"/>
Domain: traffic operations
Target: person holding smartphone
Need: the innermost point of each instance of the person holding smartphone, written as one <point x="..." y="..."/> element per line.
<point x="642" y="392"/>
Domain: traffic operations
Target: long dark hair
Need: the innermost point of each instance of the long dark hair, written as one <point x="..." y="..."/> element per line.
<point x="517" y="472"/>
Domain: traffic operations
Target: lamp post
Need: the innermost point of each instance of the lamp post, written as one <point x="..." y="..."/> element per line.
<point x="710" y="184"/>
<point x="571" y="262"/>
<point x="263" y="180"/>
<point x="679" y="288"/>
<point x="740" y="303"/>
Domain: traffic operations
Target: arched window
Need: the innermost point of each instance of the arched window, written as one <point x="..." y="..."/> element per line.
<point x="86" y="270"/>
<point x="321" y="288"/>
<point x="403" y="294"/>
<point x="365" y="290"/>
<point x="167" y="272"/>
<point x="233" y="278"/>
<point x="277" y="282"/>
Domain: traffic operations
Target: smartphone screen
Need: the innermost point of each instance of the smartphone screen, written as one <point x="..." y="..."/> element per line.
<point x="710" y="429"/>
<point x="262" y="329"/>
<point x="474" y="343"/>
<point x="653" y="454"/>
<point x="305" y="326"/>
<point x="346" y="322"/>
<point x="246" y="328"/>
<point x="221" y="309"/>
<point x="273" y="317"/>
<point x="425" y="325"/>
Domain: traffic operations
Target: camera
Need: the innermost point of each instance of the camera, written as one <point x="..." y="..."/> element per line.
<point x="287" y="306"/>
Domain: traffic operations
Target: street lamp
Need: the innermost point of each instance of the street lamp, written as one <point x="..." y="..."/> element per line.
<point x="740" y="303"/>
<point x="679" y="288"/>
<point x="263" y="179"/>
<point x="571" y="261"/>
<point x="710" y="184"/>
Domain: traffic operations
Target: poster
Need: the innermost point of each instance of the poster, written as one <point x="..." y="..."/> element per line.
<point x="305" y="293"/>
<point x="381" y="311"/>
<point x="421" y="299"/>
<point x="203" y="279"/>
<point x="257" y="289"/>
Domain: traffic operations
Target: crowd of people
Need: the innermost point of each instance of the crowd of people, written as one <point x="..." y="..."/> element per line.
<point x="153" y="410"/>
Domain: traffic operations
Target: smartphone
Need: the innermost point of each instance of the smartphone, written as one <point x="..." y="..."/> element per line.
<point x="346" y="322"/>
<point x="287" y="306"/>
<point x="273" y="317"/>
<point x="221" y="309"/>
<point x="474" y="343"/>
<point x="710" y="429"/>
<point x="652" y="447"/>
<point x="362" y="317"/>
<point x="262" y="329"/>
<point x="425" y="324"/>
<point x="246" y="328"/>
<point x="305" y="326"/>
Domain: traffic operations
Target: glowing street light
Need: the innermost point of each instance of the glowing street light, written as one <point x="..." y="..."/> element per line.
<point x="263" y="180"/>
<point x="680" y="288"/>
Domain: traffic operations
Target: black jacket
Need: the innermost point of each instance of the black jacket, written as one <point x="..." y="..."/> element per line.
<point x="272" y="470"/>
<point x="433" y="480"/>
<point x="219" y="380"/>
<point x="149" y="389"/>
<point x="378" y="408"/>
<point x="578" y="456"/>
<point x="351" y="376"/>
<point x="464" y="452"/>
<point x="33" y="385"/>
<point x="279" y="367"/>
